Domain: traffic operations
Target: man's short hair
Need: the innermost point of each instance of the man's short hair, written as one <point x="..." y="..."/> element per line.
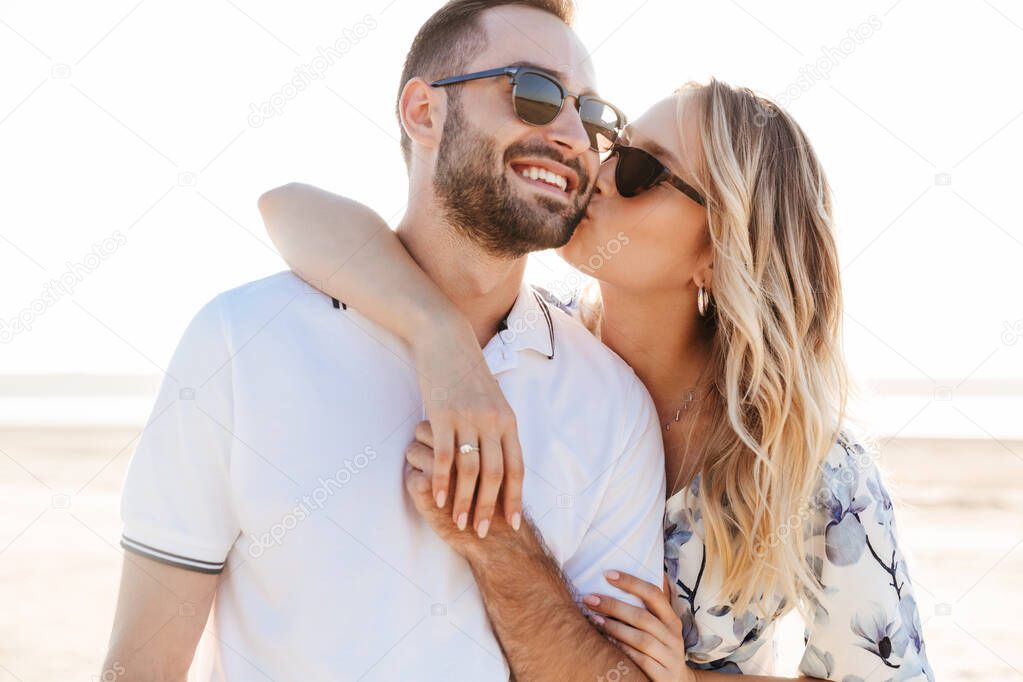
<point x="452" y="38"/>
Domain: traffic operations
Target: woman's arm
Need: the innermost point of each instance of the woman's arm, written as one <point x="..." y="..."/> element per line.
<point x="346" y="250"/>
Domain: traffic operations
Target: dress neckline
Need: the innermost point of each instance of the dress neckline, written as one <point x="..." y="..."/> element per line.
<point x="693" y="488"/>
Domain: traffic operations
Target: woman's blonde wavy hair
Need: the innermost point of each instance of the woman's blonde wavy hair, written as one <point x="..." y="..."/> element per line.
<point x="780" y="384"/>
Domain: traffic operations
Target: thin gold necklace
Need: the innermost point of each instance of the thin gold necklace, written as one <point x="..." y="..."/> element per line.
<point x="689" y="399"/>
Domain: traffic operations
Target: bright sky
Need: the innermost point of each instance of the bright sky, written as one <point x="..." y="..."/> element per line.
<point x="131" y="161"/>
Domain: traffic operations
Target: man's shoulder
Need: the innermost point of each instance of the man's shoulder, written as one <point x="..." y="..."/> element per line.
<point x="279" y="296"/>
<point x="280" y="286"/>
<point x="237" y="313"/>
<point x="282" y="309"/>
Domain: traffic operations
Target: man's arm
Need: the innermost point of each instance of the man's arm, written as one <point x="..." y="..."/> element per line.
<point x="543" y="633"/>
<point x="527" y="595"/>
<point x="179" y="521"/>
<point x="542" y="630"/>
<point x="161" y="613"/>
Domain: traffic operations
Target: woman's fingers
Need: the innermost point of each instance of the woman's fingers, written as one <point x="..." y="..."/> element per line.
<point x="631" y="615"/>
<point x="654" y="631"/>
<point x="647" y="650"/>
<point x="493" y="472"/>
<point x="514" y="471"/>
<point x="467" y="469"/>
<point x="653" y="669"/>
<point x="491" y="475"/>
<point x="652" y="597"/>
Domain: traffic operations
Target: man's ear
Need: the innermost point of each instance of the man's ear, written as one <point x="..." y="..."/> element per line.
<point x="422" y="110"/>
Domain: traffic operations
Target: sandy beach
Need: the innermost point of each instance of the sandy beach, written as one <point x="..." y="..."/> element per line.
<point x="959" y="513"/>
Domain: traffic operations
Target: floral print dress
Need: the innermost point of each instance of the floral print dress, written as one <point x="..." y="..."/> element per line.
<point x="867" y="627"/>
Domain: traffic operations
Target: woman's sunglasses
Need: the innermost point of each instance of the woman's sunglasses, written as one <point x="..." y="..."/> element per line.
<point x="538" y="98"/>
<point x="638" y="171"/>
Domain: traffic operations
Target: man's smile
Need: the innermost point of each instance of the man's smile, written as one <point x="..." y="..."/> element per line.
<point x="547" y="175"/>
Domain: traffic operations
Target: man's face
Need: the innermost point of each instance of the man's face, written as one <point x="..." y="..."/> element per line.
<point x="487" y="152"/>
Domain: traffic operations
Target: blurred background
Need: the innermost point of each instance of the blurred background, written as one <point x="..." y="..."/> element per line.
<point x="136" y="136"/>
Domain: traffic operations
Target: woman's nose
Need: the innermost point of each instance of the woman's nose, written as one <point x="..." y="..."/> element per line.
<point x="606" y="176"/>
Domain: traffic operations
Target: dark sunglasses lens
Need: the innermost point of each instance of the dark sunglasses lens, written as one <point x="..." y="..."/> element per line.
<point x="601" y="122"/>
<point x="636" y="171"/>
<point x="537" y="99"/>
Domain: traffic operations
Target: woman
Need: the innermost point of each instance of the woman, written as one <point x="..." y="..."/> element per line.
<point x="710" y="237"/>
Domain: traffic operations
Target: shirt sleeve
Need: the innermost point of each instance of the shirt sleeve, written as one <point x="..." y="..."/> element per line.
<point x="176" y="502"/>
<point x="626" y="532"/>
<point x="867" y="626"/>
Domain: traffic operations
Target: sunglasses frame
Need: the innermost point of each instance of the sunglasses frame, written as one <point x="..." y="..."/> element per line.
<point x="664" y="174"/>
<point x="515" y="72"/>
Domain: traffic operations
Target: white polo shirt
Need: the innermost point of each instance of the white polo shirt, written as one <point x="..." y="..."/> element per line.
<point x="275" y="452"/>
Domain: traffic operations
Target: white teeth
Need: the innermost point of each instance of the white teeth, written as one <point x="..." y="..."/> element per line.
<point x="551" y="178"/>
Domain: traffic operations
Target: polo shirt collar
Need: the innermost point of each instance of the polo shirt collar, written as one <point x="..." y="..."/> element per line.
<point x="528" y="324"/>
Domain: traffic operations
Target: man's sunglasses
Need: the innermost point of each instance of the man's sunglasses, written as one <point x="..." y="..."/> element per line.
<point x="538" y="98"/>
<point x="638" y="171"/>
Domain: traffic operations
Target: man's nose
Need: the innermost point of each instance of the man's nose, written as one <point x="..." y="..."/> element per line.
<point x="567" y="132"/>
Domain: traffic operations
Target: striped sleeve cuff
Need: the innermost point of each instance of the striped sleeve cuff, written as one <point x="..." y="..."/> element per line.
<point x="169" y="558"/>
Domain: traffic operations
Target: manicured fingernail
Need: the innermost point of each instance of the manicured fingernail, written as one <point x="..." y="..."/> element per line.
<point x="516" y="520"/>
<point x="481" y="529"/>
<point x="599" y="620"/>
<point x="612" y="575"/>
<point x="592" y="600"/>
<point x="463" y="519"/>
<point x="441" y="494"/>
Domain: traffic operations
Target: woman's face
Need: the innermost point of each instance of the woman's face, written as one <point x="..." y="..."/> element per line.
<point x="658" y="239"/>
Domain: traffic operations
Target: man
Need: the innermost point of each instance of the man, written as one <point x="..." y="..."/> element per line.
<point x="269" y="479"/>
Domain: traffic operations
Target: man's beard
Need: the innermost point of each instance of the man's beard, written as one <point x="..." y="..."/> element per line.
<point x="478" y="200"/>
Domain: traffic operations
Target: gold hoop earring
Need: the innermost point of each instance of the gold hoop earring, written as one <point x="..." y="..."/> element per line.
<point x="702" y="301"/>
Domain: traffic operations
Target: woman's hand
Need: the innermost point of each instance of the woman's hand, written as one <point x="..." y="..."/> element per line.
<point x="465" y="405"/>
<point x="419" y="472"/>
<point x="652" y="637"/>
